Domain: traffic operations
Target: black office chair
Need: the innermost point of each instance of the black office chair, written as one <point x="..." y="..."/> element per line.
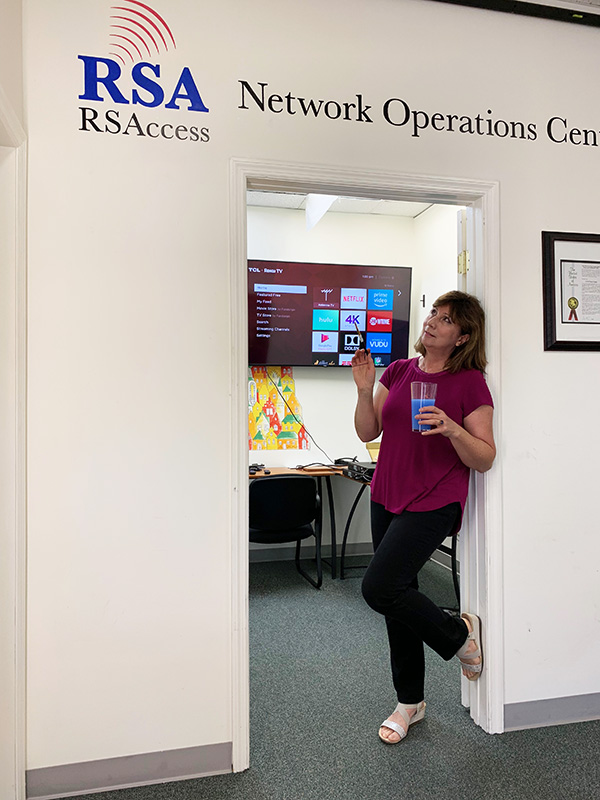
<point x="287" y="508"/>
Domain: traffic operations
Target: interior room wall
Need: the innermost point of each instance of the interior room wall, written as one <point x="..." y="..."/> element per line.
<point x="435" y="242"/>
<point x="130" y="477"/>
<point x="426" y="243"/>
<point x="342" y="238"/>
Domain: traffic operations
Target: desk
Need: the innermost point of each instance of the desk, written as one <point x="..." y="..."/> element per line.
<point x="318" y="473"/>
<point x="327" y="472"/>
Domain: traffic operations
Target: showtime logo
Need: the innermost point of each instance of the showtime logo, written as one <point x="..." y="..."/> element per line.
<point x="138" y="33"/>
<point x="379" y="321"/>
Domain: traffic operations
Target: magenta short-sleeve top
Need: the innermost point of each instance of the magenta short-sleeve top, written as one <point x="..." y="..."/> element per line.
<point x="422" y="473"/>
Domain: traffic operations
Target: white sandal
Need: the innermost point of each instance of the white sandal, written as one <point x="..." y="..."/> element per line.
<point x="474" y="636"/>
<point x="401" y="709"/>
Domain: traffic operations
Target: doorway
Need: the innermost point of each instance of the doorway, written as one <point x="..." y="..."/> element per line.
<point x="481" y="590"/>
<point x="12" y="455"/>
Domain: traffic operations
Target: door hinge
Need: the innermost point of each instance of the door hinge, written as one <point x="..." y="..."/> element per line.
<point x="464" y="262"/>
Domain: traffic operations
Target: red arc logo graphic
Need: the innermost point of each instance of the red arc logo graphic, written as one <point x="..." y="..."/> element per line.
<point x="137" y="32"/>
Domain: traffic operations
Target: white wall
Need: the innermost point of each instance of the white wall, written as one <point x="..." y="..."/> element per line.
<point x="328" y="397"/>
<point x="129" y="473"/>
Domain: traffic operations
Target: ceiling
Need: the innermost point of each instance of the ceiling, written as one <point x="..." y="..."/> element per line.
<point x="343" y="205"/>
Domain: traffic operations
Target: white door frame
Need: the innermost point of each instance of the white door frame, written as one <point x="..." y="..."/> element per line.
<point x="13" y="496"/>
<point x="482" y="566"/>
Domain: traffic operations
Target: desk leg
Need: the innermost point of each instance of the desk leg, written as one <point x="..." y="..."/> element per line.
<point x="333" y="563"/>
<point x="332" y="525"/>
<point x="347" y="528"/>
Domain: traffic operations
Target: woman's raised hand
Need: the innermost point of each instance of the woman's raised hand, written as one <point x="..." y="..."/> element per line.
<point x="363" y="370"/>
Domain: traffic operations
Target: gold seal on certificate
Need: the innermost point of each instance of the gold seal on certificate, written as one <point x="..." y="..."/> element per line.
<point x="573" y="302"/>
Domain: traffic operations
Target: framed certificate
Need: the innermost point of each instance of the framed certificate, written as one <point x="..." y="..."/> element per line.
<point x="571" y="266"/>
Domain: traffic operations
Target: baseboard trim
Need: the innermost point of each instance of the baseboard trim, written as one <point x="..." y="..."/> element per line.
<point x="555" y="711"/>
<point x="108" y="774"/>
<point x="259" y="553"/>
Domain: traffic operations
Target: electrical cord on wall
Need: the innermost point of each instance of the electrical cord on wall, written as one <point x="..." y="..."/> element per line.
<point x="299" y="421"/>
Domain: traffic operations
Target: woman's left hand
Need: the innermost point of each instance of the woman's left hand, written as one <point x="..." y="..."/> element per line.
<point x="440" y="423"/>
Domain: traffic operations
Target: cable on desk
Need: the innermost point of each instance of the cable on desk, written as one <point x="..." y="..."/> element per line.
<point x="301" y="467"/>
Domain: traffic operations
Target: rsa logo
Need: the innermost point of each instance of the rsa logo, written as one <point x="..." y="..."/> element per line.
<point x="131" y="77"/>
<point x="144" y="76"/>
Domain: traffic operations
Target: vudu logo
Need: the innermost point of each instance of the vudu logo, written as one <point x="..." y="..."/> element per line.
<point x="136" y="36"/>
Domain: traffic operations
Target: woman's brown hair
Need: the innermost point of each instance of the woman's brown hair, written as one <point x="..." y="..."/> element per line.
<point x="467" y="313"/>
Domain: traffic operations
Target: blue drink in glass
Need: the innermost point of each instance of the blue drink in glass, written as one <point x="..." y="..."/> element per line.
<point x="427" y="401"/>
<point x="415" y="405"/>
<point x="421" y="395"/>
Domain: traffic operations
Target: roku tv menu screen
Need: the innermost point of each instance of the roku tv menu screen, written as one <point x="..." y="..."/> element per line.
<point x="302" y="314"/>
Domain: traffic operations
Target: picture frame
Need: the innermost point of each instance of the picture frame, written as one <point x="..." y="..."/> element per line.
<point x="571" y="290"/>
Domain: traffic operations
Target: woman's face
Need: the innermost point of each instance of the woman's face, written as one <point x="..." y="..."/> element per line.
<point x="441" y="332"/>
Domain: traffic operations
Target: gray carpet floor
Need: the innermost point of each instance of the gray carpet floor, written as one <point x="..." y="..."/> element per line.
<point x="320" y="686"/>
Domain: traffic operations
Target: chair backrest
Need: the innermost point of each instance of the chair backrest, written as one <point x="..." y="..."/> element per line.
<point x="283" y="502"/>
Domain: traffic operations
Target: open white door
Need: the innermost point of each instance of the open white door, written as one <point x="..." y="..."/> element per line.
<point x="480" y="552"/>
<point x="12" y="455"/>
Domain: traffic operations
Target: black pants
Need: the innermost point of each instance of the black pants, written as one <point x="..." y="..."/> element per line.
<point x="403" y="543"/>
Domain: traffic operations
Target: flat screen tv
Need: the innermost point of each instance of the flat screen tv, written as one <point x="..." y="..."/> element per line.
<point x="303" y="314"/>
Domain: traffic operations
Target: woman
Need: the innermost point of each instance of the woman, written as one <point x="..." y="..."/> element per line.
<point x="419" y="490"/>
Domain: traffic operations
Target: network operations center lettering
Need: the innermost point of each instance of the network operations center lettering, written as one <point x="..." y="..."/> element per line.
<point x="398" y="113"/>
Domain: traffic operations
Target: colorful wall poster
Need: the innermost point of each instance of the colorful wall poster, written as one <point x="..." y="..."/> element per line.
<point x="274" y="413"/>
